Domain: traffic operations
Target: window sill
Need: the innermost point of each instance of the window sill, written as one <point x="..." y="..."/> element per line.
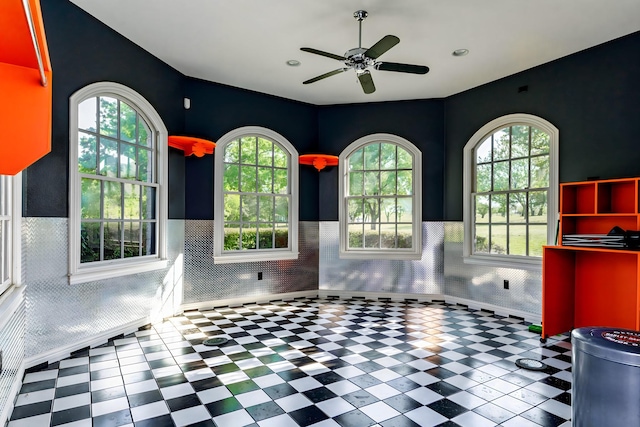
<point x="400" y="256"/>
<point x="244" y="257"/>
<point x="520" y="263"/>
<point x="115" y="270"/>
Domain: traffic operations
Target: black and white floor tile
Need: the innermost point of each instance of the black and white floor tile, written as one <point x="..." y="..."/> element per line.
<point x="310" y="362"/>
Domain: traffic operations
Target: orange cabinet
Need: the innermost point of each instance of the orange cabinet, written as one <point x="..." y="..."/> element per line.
<point x="591" y="279"/>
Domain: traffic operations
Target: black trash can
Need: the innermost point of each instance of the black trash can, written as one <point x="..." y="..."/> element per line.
<point x="606" y="377"/>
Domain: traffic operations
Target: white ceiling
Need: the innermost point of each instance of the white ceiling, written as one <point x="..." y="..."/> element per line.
<point x="245" y="43"/>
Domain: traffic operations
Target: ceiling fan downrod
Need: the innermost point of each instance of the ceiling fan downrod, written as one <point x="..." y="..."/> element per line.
<point x="360" y="15"/>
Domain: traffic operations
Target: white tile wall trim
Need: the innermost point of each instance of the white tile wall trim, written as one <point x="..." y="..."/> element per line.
<point x="246" y="300"/>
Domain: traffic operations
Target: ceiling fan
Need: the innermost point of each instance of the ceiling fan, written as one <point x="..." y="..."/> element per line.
<point x="360" y="59"/>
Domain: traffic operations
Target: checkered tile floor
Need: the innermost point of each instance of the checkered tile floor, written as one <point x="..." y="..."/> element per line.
<point x="310" y="362"/>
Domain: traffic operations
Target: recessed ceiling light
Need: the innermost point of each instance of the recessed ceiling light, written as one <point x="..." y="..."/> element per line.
<point x="293" y="63"/>
<point x="460" y="52"/>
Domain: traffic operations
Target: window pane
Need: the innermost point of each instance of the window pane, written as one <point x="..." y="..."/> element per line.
<point x="356" y="161"/>
<point x="388" y="183"/>
<point x="148" y="203"/>
<point x="280" y="157"/>
<point x="112" y="200"/>
<point x="112" y="240"/>
<point x="148" y="238"/>
<point x="538" y="206"/>
<point x="500" y="176"/>
<point x="108" y="157"/>
<point x="131" y="239"/>
<point x="248" y="179"/>
<point x="405" y="183"/>
<point x="371" y="210"/>
<point x="249" y="208"/>
<point x="537" y="238"/>
<point x="109" y="116"/>
<point x="248" y="150"/>
<point x="231" y="236"/>
<point x="483" y="151"/>
<point x="518" y="240"/>
<point x="282" y="209"/>
<point x="405" y="210"/>
<point x="145" y="167"/>
<point x="132" y="201"/>
<point x="482" y="239"/>
<point x="232" y="152"/>
<point x="282" y="236"/>
<point x="501" y="144"/>
<point x="355" y="236"/>
<point x="540" y="172"/>
<point x="249" y="236"/>
<point x="517" y="207"/>
<point x="519" y="141"/>
<point x="388" y="236"/>
<point x="483" y="178"/>
<point x="372" y="157"/>
<point x="354" y="210"/>
<point x="87" y="114"/>
<point x="371" y="236"/>
<point x="498" y="208"/>
<point x="231" y="207"/>
<point x="266" y="213"/>
<point x="388" y="209"/>
<point x="265" y="180"/>
<point x="499" y="239"/>
<point x="265" y="152"/>
<point x="265" y="237"/>
<point x="280" y="181"/>
<point x="520" y="174"/>
<point x="356" y="183"/>
<point x="482" y="209"/>
<point x="405" y="238"/>
<point x="144" y="134"/>
<point x="539" y="142"/>
<point x="405" y="159"/>
<point x="387" y="156"/>
<point x="90" y="199"/>
<point x="127" y="123"/>
<point x="87" y="153"/>
<point x="231" y="177"/>
<point x="127" y="161"/>
<point x="372" y="183"/>
<point x="89" y="242"/>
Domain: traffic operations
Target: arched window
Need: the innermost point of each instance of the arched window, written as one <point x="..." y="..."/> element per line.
<point x="256" y="197"/>
<point x="381" y="199"/>
<point x="510" y="205"/>
<point x="117" y="198"/>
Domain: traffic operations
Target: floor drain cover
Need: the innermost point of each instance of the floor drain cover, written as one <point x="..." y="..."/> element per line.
<point x="217" y="342"/>
<point x="531" y="364"/>
<point x="375" y="314"/>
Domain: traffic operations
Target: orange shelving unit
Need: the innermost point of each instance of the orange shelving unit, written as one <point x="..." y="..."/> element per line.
<point x="594" y="285"/>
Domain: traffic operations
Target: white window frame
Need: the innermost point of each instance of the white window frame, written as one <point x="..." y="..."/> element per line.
<point x="416" y="229"/>
<point x="500" y="260"/>
<point x="219" y="256"/>
<point x="79" y="273"/>
<point x="12" y="194"/>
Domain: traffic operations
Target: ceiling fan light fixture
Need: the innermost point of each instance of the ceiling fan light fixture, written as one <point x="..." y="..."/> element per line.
<point x="460" y="52"/>
<point x="293" y="63"/>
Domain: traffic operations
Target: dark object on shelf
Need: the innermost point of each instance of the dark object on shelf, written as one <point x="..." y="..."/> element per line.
<point x="531" y="364"/>
<point x="632" y="239"/>
<point x="616" y="231"/>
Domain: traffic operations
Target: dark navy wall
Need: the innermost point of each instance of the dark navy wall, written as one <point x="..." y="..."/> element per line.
<point x="217" y="109"/>
<point x="420" y="122"/>
<point x="592" y="97"/>
<point x="85" y="51"/>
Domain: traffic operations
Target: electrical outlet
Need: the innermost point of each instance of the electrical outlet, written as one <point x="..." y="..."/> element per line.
<point x="260" y="275"/>
<point x="506" y="284"/>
